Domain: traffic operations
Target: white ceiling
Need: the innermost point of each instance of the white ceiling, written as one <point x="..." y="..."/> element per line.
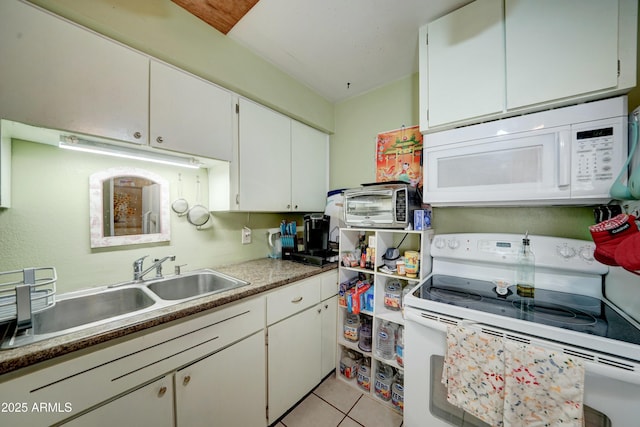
<point x="340" y="48"/>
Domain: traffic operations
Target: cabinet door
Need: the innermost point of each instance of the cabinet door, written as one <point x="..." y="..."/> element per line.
<point x="151" y="405"/>
<point x="309" y="168"/>
<point x="264" y="159"/>
<point x="188" y="114"/>
<point x="559" y="49"/>
<point x="55" y="74"/>
<point x="465" y="64"/>
<point x="329" y="325"/>
<point x="294" y="358"/>
<point x="225" y="389"/>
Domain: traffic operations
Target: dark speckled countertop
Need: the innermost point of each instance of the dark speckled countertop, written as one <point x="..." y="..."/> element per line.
<point x="263" y="275"/>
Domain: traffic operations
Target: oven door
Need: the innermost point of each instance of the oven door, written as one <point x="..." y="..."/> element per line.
<point x="611" y="394"/>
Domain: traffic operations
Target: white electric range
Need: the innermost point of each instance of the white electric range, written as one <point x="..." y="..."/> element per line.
<point x="568" y="312"/>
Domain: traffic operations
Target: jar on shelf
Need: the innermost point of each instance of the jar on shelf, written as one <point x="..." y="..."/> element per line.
<point x="349" y="364"/>
<point x="351" y="327"/>
<point x="397" y="392"/>
<point x="385" y="340"/>
<point x="393" y="295"/>
<point x="384" y="378"/>
<point x="364" y="374"/>
<point x="366" y="333"/>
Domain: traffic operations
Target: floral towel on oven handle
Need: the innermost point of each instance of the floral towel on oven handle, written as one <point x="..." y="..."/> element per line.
<point x="473" y="373"/>
<point x="543" y="387"/>
<point x="508" y="384"/>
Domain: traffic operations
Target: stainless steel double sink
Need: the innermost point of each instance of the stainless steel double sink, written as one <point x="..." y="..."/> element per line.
<point x="75" y="311"/>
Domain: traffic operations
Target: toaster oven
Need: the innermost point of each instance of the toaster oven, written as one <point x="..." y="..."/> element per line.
<point x="380" y="205"/>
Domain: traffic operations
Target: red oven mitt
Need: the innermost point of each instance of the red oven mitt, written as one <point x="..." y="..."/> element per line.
<point x="628" y="254"/>
<point x="607" y="235"/>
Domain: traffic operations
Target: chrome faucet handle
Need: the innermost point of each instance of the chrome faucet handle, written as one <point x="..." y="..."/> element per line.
<point x="158" y="264"/>
<point x="138" y="263"/>
<point x="137" y="267"/>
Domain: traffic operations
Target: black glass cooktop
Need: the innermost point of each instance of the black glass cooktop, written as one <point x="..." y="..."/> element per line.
<point x="559" y="309"/>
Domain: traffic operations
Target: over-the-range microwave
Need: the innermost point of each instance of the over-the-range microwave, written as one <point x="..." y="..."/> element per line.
<point x="381" y="205"/>
<point x="566" y="156"/>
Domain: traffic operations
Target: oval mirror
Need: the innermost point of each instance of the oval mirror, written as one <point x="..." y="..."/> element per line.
<point x="128" y="206"/>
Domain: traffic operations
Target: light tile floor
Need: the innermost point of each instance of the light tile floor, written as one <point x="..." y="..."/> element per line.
<point x="335" y="404"/>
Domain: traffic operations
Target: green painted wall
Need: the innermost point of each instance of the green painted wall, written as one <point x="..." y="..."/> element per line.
<point x="48" y="224"/>
<point x="359" y="120"/>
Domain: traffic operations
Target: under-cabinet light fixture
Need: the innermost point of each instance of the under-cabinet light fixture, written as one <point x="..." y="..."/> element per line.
<point x="77" y="144"/>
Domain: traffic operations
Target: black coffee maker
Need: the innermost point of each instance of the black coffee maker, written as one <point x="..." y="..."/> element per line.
<point x="316" y="233"/>
<point x="316" y="240"/>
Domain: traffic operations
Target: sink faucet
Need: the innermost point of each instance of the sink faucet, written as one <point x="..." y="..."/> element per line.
<point x="138" y="272"/>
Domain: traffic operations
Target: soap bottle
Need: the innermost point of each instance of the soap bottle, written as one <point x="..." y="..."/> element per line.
<point x="525" y="270"/>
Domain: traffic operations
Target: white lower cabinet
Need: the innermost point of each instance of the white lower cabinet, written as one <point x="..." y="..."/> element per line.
<point x="300" y="324"/>
<point x="294" y="359"/>
<point x="225" y="389"/>
<point x="148" y="405"/>
<point x="329" y="324"/>
<point x="214" y="346"/>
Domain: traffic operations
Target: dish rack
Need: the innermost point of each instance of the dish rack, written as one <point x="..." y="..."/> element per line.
<point x="42" y="282"/>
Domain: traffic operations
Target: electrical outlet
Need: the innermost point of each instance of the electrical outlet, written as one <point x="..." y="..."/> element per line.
<point x="246" y="235"/>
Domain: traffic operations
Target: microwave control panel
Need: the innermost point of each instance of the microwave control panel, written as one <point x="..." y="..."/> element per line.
<point x="597" y="157"/>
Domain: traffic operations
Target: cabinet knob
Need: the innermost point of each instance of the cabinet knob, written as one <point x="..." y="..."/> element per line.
<point x="295" y="207"/>
<point x="326" y="306"/>
<point x="162" y="391"/>
<point x="159" y="140"/>
<point x="186" y="380"/>
<point x="288" y="206"/>
<point x="137" y="135"/>
<point x="319" y="310"/>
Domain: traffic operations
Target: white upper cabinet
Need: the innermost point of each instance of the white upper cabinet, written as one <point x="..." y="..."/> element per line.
<point x="264" y="159"/>
<point x="309" y="160"/>
<point x="188" y="114"/>
<point x="55" y="74"/>
<point x="283" y="164"/>
<point x="496" y="58"/>
<point x="464" y="63"/>
<point x="559" y="49"/>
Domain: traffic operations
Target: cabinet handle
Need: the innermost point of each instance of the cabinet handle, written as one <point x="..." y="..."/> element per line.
<point x="137" y="135"/>
<point x="162" y="391"/>
<point x="295" y="207"/>
<point x="296" y="300"/>
<point x="186" y="380"/>
<point x="159" y="140"/>
<point x="288" y="206"/>
<point x="326" y="306"/>
<point x="319" y="310"/>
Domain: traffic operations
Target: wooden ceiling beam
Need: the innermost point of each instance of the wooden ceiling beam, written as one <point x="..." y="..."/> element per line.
<point x="220" y="14"/>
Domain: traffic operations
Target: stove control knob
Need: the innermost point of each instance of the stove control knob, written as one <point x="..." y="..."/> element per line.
<point x="566" y="252"/>
<point x="440" y="243"/>
<point x="453" y="244"/>
<point x="586" y="253"/>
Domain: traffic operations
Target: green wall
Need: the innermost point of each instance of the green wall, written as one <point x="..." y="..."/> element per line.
<point x="48" y="224"/>
<point x="359" y="120"/>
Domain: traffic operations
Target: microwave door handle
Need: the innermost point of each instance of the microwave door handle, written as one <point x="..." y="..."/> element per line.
<point x="563" y="140"/>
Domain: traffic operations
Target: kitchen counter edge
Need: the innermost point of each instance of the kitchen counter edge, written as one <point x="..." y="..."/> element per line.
<point x="262" y="274"/>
